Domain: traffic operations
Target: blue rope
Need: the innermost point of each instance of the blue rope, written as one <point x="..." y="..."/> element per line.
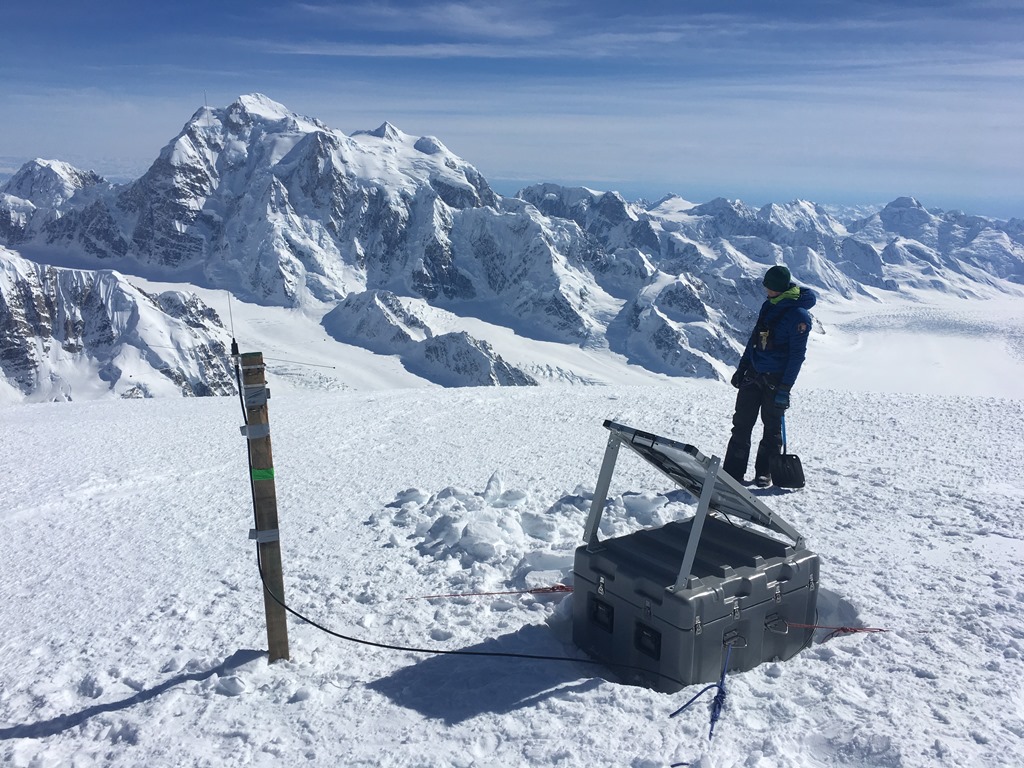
<point x="718" y="703"/>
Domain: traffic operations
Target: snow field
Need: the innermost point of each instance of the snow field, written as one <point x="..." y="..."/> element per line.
<point x="921" y="344"/>
<point x="135" y="624"/>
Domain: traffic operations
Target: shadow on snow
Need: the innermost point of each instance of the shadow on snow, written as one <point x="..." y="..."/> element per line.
<point x="455" y="688"/>
<point x="61" y="723"/>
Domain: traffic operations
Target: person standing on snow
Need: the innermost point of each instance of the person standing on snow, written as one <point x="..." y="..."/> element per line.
<point x="767" y="372"/>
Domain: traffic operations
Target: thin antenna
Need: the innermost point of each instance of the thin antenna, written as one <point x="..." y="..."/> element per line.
<point x="231" y="317"/>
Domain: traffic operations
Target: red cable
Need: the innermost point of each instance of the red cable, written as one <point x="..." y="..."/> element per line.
<point x="835" y="630"/>
<point x="534" y="591"/>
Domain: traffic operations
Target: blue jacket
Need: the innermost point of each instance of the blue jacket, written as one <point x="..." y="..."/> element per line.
<point x="778" y="342"/>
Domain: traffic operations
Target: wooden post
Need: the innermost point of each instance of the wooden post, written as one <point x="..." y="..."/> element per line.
<point x="255" y="394"/>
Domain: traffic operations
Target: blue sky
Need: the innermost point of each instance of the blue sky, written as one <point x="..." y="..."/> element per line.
<point x="836" y="102"/>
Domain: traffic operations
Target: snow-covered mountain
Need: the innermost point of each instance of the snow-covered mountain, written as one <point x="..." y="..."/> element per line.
<point x="820" y="249"/>
<point x="281" y="210"/>
<point x="936" y="249"/>
<point x="380" y="322"/>
<point x="67" y="333"/>
<point x="35" y="195"/>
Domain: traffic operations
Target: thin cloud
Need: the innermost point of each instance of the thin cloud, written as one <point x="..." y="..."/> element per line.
<point x="404" y="51"/>
<point x="453" y="19"/>
<point x="884" y="41"/>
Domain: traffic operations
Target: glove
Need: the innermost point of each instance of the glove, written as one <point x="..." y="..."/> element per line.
<point x="737" y="378"/>
<point x="782" y="398"/>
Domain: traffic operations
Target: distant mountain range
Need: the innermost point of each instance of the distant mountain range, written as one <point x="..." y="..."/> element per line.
<point x="369" y="230"/>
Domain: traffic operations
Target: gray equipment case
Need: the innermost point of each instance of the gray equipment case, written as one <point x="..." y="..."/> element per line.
<point x="659" y="606"/>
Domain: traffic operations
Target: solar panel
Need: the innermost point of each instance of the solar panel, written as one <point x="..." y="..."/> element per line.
<point x="689" y="469"/>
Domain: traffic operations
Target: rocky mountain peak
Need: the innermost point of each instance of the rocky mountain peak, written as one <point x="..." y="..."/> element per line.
<point x="48" y="183"/>
<point x="801" y="215"/>
<point x="721" y="206"/>
<point x="671" y="204"/>
<point x="258" y="105"/>
<point x="904" y="202"/>
<point x="385" y="131"/>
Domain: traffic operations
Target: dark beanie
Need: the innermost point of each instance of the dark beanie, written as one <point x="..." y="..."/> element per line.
<point x="777" y="279"/>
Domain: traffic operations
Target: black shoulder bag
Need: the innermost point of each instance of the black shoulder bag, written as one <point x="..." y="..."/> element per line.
<point x="786" y="469"/>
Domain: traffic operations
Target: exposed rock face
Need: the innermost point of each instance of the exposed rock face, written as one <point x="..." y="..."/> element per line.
<point x="380" y="322"/>
<point x="34" y="197"/>
<point x="66" y="331"/>
<point x="457" y="359"/>
<point x="668" y="328"/>
<point x="376" y="320"/>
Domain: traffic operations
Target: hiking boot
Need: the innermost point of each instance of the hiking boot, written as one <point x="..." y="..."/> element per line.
<point x="762" y="481"/>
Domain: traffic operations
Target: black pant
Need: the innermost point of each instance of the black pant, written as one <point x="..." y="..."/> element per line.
<point x="756" y="394"/>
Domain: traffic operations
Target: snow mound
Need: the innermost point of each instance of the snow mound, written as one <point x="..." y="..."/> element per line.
<point x="511" y="537"/>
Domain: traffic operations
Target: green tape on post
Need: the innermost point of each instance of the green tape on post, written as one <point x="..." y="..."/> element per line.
<point x="263" y="474"/>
